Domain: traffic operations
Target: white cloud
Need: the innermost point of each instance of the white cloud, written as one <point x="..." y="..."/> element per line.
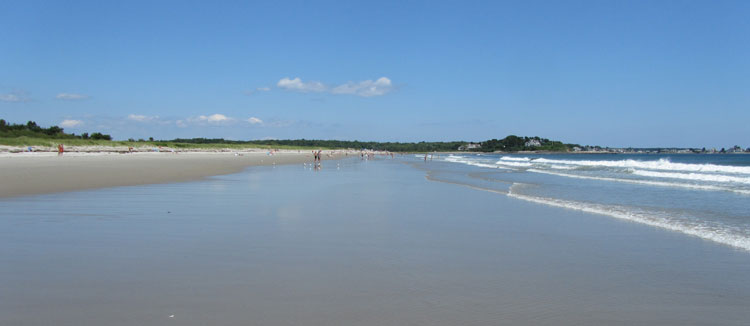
<point x="254" y="120"/>
<point x="365" y="88"/>
<point x="259" y="89"/>
<point x="67" y="123"/>
<point x="142" y="118"/>
<point x="298" y="85"/>
<point x="201" y="120"/>
<point x="16" y="96"/>
<point x="214" y="118"/>
<point x="71" y="96"/>
<point x="279" y="123"/>
<point x="9" y="98"/>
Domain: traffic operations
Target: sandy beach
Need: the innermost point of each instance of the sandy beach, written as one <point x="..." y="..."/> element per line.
<point x="357" y="242"/>
<point x="46" y="172"/>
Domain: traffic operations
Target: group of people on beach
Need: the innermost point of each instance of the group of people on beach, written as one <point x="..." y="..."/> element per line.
<point x="367" y="155"/>
<point x="317" y="156"/>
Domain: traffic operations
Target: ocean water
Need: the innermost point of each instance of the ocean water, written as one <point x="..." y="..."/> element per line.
<point x="706" y="196"/>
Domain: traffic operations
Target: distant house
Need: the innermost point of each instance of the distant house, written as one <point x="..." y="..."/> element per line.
<point x="577" y="149"/>
<point x="735" y="149"/>
<point x="533" y="143"/>
<point x="469" y="146"/>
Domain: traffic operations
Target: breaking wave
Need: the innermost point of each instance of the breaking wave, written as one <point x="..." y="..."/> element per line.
<point x="460" y="159"/>
<point x="693" y="176"/>
<point x="710" y="177"/>
<point x="695" y="228"/>
<point x="647" y="182"/>
<point x="660" y="165"/>
<point x="720" y="214"/>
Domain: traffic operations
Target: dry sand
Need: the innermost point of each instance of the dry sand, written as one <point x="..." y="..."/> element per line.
<point x="37" y="173"/>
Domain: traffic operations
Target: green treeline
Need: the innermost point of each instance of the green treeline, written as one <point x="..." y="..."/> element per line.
<point x="31" y="129"/>
<point x="388" y="146"/>
<point x="514" y="144"/>
<point x="508" y="144"/>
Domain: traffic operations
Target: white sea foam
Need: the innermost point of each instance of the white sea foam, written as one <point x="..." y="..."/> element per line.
<point x="705" y="177"/>
<point x="693" y="176"/>
<point x="708" y="232"/>
<point x="646" y="182"/>
<point x="547" y="166"/>
<point x="514" y="164"/>
<point x="468" y="161"/>
<point x="515" y="159"/>
<point x="661" y="164"/>
<point x="527" y="162"/>
<point x="561" y="167"/>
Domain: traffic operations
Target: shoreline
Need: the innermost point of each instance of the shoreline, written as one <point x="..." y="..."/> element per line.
<point x="380" y="243"/>
<point x="25" y="174"/>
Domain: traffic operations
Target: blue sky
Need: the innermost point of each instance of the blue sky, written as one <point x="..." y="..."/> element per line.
<point x="613" y="73"/>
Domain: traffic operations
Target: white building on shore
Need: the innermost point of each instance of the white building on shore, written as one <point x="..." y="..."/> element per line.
<point x="469" y="146"/>
<point x="533" y="143"/>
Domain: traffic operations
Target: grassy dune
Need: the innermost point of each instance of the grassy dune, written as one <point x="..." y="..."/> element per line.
<point x="51" y="142"/>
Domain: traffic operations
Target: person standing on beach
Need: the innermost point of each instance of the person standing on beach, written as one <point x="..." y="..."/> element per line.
<point x="60" y="149"/>
<point x="316" y="156"/>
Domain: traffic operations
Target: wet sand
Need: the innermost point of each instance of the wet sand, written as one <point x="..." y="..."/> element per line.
<point x="23" y="174"/>
<point x="355" y="243"/>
